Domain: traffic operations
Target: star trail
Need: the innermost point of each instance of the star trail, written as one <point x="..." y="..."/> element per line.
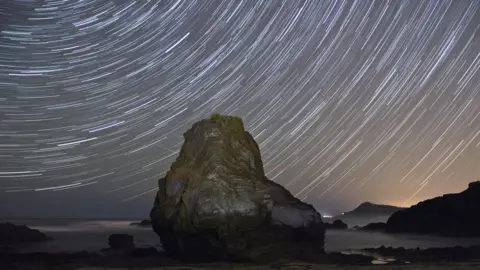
<point x="350" y="101"/>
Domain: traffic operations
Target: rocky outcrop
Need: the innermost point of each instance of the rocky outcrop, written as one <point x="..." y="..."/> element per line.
<point x="435" y="255"/>
<point x="215" y="202"/>
<point x="336" y="225"/>
<point x="122" y="242"/>
<point x="448" y="215"/>
<point x="374" y="227"/>
<point x="11" y="234"/>
<point x="154" y="260"/>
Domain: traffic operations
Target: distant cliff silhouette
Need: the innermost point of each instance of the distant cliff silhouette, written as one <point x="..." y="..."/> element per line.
<point x="371" y="209"/>
<point x="448" y="215"/>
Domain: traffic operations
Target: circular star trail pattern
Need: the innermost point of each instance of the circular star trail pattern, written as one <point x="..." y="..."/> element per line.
<point x="349" y="100"/>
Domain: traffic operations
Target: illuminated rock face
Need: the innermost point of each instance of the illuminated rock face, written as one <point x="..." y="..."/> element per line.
<point x="215" y="202"/>
<point x="448" y="215"/>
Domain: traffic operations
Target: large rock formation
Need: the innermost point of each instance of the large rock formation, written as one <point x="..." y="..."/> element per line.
<point x="448" y="215"/>
<point x="215" y="202"/>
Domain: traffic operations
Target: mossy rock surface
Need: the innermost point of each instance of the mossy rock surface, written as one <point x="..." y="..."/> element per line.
<point x="215" y="202"/>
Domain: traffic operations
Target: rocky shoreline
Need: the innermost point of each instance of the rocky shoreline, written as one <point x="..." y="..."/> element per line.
<point x="447" y="254"/>
<point x="146" y="258"/>
<point x="136" y="259"/>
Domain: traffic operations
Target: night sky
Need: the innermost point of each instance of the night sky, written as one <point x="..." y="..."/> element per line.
<point x="350" y="101"/>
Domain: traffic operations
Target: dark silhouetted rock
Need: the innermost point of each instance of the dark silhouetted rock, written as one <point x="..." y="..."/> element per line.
<point x="336" y="225"/>
<point x="215" y="202"/>
<point x="121" y="242"/>
<point x="143" y="223"/>
<point x="377" y="227"/>
<point x="6" y="249"/>
<point x="448" y="215"/>
<point x="14" y="234"/>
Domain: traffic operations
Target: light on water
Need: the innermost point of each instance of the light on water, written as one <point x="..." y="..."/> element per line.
<point x="379" y="262"/>
<point x="86" y="226"/>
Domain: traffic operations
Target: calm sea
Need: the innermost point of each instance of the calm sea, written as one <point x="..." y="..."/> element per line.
<point x="72" y="235"/>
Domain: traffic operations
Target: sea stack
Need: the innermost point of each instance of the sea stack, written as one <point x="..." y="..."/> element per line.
<point x="215" y="202"/>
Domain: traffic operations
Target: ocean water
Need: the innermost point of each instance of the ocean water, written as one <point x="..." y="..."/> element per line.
<point x="71" y="235"/>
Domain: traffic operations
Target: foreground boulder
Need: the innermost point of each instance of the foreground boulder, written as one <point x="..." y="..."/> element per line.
<point x="215" y="202"/>
<point x="448" y="215"/>
<point x="15" y="234"/>
<point x="121" y="242"/>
